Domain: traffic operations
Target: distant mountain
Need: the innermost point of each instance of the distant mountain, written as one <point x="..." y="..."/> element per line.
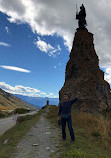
<point x="38" y="101"/>
<point x="11" y="102"/>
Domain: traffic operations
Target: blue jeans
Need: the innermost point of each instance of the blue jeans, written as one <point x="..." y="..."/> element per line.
<point x="64" y="119"/>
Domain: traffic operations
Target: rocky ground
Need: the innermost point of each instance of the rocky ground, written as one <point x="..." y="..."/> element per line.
<point x="40" y="141"/>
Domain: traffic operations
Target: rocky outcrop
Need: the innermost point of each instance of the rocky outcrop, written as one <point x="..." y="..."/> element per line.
<point x="83" y="74"/>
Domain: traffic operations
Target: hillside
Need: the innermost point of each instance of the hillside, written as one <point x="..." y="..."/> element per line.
<point x="10" y="102"/>
<point x="38" y="101"/>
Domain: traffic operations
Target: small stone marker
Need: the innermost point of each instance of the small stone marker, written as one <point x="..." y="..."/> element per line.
<point x="35" y="144"/>
<point x="48" y="132"/>
<point x="6" y="141"/>
<point x="47" y="148"/>
<point x="31" y="135"/>
<point x="47" y="102"/>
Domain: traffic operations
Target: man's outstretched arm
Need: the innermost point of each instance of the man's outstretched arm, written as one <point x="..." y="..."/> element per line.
<point x="73" y="101"/>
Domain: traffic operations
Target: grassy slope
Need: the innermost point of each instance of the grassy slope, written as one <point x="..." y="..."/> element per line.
<point x="92" y="136"/>
<point x="10" y="102"/>
<point x="15" y="135"/>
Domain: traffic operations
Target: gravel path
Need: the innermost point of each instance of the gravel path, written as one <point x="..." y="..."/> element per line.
<point x="39" y="142"/>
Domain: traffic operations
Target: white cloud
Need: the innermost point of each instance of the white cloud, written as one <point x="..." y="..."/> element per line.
<point x="55" y="67"/>
<point x="47" y="48"/>
<point x="49" y="17"/>
<point x="15" y="68"/>
<point x="43" y="46"/>
<point x="43" y="93"/>
<point x="60" y="64"/>
<point x="56" y="96"/>
<point x="51" y="94"/>
<point x="4" y="44"/>
<point x="107" y="75"/>
<point x="26" y="91"/>
<point x="58" y="48"/>
<point x="7" y="29"/>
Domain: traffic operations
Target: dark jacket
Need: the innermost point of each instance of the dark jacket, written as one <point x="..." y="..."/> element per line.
<point x="65" y="107"/>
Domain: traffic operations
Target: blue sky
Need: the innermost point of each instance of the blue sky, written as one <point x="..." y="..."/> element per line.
<point x="46" y="72"/>
<point x="36" y="39"/>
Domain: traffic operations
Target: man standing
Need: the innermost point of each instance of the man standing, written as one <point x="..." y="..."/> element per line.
<point x="65" y="113"/>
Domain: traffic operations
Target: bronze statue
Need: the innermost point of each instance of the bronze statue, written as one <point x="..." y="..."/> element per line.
<point x="81" y="17"/>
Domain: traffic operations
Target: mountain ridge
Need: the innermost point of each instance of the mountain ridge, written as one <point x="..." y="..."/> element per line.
<point x="38" y="101"/>
<point x="10" y="102"/>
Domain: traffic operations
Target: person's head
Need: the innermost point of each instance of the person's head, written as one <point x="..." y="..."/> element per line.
<point x="65" y="97"/>
<point x="81" y="7"/>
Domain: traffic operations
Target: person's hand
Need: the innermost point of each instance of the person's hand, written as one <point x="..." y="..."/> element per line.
<point x="59" y="121"/>
<point x="58" y="118"/>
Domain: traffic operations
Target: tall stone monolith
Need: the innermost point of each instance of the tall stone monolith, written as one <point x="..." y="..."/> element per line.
<point x="83" y="74"/>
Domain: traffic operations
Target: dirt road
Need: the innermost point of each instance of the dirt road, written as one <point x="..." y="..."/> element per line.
<point x="7" y="123"/>
<point x="39" y="142"/>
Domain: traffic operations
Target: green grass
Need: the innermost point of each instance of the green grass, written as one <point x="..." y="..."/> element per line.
<point x="15" y="134"/>
<point x="21" y="111"/>
<point x="2" y="115"/>
<point x="90" y="143"/>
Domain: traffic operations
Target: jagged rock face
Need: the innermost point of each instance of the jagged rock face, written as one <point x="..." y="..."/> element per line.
<point x="83" y="74"/>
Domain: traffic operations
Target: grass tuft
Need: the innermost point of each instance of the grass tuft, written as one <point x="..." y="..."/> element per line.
<point x="95" y="134"/>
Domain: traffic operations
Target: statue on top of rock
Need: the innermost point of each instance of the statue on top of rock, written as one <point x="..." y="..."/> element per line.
<point x="81" y="16"/>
